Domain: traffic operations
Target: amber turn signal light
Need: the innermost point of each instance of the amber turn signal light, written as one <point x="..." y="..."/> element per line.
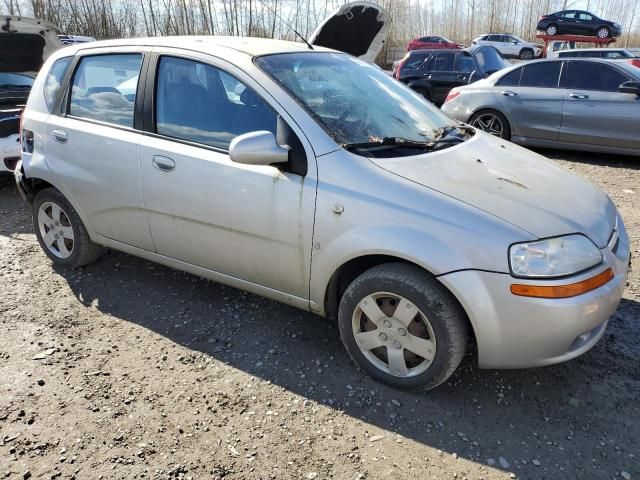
<point x="562" y="291"/>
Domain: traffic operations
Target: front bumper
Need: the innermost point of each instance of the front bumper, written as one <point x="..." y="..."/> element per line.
<point x="519" y="332"/>
<point x="24" y="189"/>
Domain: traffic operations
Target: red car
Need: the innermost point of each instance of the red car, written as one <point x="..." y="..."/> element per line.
<point x="431" y="43"/>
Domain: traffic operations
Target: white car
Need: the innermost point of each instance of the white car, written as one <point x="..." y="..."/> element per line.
<point x="607" y="53"/>
<point x="31" y="42"/>
<point x="510" y="45"/>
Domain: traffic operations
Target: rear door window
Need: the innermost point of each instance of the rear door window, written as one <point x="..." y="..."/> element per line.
<point x="593" y="76"/>
<point x="511" y="79"/>
<point x="53" y="80"/>
<point x="104" y="88"/>
<point x="465" y="64"/>
<point x="414" y="61"/>
<point x="200" y="103"/>
<point x="541" y="75"/>
<point x="443" y="62"/>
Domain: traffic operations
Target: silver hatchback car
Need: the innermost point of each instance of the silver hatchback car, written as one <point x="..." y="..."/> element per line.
<point x="313" y="178"/>
<point x="576" y="104"/>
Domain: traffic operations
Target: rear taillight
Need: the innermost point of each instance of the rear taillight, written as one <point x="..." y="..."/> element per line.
<point x="635" y="62"/>
<point x="452" y="94"/>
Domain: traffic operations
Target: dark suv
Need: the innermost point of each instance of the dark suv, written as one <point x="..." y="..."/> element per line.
<point x="433" y="73"/>
<point x="578" y="22"/>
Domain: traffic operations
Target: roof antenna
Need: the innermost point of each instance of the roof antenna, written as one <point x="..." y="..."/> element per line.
<point x="287" y="24"/>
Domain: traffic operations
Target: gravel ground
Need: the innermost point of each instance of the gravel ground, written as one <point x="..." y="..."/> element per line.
<point x="125" y="369"/>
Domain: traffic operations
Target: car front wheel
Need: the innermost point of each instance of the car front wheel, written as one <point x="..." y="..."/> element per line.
<point x="402" y="327"/>
<point x="60" y="232"/>
<point x="603" y="32"/>
<point x="526" y="54"/>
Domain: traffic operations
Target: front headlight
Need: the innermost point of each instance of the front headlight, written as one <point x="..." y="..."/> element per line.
<point x="553" y="257"/>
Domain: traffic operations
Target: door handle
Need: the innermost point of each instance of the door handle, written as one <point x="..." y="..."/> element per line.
<point x="60" y="136"/>
<point x="509" y="93"/>
<point x="162" y="163"/>
<point x="579" y="96"/>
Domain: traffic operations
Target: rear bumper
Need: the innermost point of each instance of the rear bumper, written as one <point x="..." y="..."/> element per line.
<point x="24" y="189"/>
<point x="518" y="332"/>
<point x="9" y="152"/>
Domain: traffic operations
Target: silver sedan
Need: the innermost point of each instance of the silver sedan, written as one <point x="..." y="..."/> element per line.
<point x="574" y="104"/>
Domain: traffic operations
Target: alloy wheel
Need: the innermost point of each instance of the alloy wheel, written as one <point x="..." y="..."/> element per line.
<point x="56" y="230"/>
<point x="552" y="30"/>
<point x="394" y="334"/>
<point x="603" y="33"/>
<point x="489" y="123"/>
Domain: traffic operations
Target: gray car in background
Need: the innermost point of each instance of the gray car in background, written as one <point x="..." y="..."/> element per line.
<point x="575" y="104"/>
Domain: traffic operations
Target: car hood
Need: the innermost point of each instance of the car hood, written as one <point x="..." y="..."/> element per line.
<point x="357" y="28"/>
<point x="514" y="184"/>
<point x="25" y="43"/>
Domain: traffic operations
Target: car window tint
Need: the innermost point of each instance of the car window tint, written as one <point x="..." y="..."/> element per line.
<point x="424" y="39"/>
<point x="593" y="76"/>
<point x="511" y="79"/>
<point x="585" y="16"/>
<point x="203" y="104"/>
<point x="414" y="61"/>
<point x="569" y="14"/>
<point x="465" y="64"/>
<point x="443" y="62"/>
<point x="612" y="54"/>
<point x="104" y="88"/>
<point x="541" y="75"/>
<point x="52" y="82"/>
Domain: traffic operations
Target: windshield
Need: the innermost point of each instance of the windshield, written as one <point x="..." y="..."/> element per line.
<point x="353" y="101"/>
<point x="490" y="60"/>
<point x="9" y="80"/>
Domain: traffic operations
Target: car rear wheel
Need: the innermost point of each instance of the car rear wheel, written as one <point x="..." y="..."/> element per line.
<point x="425" y="93"/>
<point x="552" y="30"/>
<point x="60" y="232"/>
<point x="603" y="32"/>
<point x="492" y="122"/>
<point x="526" y="54"/>
<point x="402" y="327"/>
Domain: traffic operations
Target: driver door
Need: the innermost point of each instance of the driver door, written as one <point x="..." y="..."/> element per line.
<point x="248" y="222"/>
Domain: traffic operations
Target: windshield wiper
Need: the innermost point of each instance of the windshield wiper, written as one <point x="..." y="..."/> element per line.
<point x="10" y="85"/>
<point x="443" y="138"/>
<point x="387" y="141"/>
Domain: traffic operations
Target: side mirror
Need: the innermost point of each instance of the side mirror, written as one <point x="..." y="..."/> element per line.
<point x="515" y="42"/>
<point x="630" y="87"/>
<point x="257" y="148"/>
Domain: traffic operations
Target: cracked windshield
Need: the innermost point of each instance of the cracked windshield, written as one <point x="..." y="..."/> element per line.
<point x="356" y="103"/>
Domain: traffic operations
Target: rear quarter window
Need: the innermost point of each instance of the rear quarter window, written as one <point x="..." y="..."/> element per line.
<point x="53" y="80"/>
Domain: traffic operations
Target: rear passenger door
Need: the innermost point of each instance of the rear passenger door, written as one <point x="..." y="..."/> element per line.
<point x="442" y="76"/>
<point x="532" y="100"/>
<point x="91" y="143"/>
<point x="248" y="222"/>
<point x="595" y="111"/>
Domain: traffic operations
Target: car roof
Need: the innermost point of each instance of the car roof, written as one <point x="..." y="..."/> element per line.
<point x="250" y="46"/>
<point x="627" y="66"/>
<point x="612" y="49"/>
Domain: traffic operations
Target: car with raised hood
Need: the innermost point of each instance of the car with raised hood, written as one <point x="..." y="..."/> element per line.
<point x="25" y="43"/>
<point x="510" y="46"/>
<point x="575" y="104"/>
<point x="432" y="42"/>
<point x="433" y="73"/>
<point x="578" y="22"/>
<point x="311" y="177"/>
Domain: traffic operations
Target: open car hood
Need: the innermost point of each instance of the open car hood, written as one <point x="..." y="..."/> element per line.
<point x="357" y="28"/>
<point x="25" y="43"/>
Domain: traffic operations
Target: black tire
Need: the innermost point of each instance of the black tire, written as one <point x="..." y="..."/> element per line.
<point x="425" y="93"/>
<point x="606" y="33"/>
<point x="550" y="30"/>
<point x="83" y="250"/>
<point x="505" y="127"/>
<point x="526" y="54"/>
<point x="445" y="316"/>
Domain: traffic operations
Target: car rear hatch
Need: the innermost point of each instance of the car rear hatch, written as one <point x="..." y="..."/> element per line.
<point x="357" y="28"/>
<point x="25" y="43"/>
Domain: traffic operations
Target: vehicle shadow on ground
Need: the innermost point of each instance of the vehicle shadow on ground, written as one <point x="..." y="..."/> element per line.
<point x="600" y="159"/>
<point x="477" y="415"/>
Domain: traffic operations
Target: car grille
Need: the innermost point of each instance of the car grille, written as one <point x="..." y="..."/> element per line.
<point x="9" y="126"/>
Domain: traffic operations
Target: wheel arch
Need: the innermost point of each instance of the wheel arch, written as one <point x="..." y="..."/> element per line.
<point x="346" y="273"/>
